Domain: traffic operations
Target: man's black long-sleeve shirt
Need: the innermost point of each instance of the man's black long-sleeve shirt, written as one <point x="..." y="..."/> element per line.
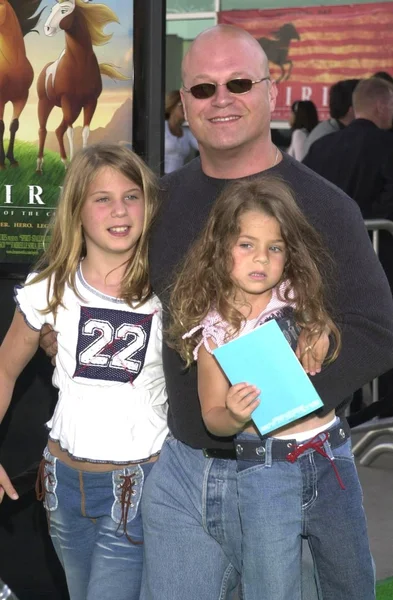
<point x="362" y="302"/>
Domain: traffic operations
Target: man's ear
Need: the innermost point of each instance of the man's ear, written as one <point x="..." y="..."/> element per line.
<point x="378" y="106"/>
<point x="273" y="91"/>
<point x="350" y="113"/>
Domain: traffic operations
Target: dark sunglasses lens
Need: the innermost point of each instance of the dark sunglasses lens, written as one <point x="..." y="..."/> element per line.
<point x="203" y="90"/>
<point x="239" y="86"/>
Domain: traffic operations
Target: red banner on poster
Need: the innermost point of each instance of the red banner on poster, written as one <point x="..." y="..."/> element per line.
<point x="311" y="48"/>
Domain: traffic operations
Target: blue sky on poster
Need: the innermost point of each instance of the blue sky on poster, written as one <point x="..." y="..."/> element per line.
<point x="41" y="49"/>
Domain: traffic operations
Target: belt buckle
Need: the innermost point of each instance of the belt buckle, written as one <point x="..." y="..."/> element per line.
<point x="206" y="453"/>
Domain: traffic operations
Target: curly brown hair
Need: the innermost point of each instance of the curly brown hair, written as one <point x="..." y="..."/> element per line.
<point x="204" y="278"/>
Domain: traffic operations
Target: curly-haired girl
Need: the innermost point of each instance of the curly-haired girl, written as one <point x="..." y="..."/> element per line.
<point x="258" y="258"/>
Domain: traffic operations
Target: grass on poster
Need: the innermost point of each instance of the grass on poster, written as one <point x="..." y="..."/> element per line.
<point x="25" y="174"/>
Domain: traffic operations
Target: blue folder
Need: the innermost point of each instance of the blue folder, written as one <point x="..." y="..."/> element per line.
<point x="263" y="357"/>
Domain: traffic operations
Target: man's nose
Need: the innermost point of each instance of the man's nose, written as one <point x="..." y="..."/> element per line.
<point x="222" y="96"/>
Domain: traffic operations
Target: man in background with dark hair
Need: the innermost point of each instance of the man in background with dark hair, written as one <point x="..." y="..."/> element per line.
<point x="340" y="108"/>
<point x="384" y="75"/>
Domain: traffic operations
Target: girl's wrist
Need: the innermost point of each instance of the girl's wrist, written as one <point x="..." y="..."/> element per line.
<point x="237" y="421"/>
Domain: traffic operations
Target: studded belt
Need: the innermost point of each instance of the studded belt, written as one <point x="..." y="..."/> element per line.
<point x="225" y="453"/>
<point x="255" y="450"/>
<point x="290" y="449"/>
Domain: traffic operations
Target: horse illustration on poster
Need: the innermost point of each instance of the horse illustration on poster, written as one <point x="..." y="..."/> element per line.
<point x="73" y="82"/>
<point x="277" y="49"/>
<point x="16" y="72"/>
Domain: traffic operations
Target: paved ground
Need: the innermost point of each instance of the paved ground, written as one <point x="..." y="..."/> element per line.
<point x="377" y="483"/>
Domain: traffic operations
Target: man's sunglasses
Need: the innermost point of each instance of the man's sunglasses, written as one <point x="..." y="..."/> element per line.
<point x="201" y="91"/>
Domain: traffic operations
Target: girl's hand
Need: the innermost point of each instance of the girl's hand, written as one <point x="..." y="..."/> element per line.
<point x="241" y="400"/>
<point x="6" y="486"/>
<point x="312" y="351"/>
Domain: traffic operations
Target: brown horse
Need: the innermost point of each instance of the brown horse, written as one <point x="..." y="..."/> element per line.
<point x="73" y="82"/>
<point x="16" y="73"/>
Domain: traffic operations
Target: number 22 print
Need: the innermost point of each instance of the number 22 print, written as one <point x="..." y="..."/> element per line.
<point x="112" y="344"/>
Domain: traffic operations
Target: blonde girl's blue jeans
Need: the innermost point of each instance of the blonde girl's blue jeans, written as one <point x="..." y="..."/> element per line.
<point x="86" y="524"/>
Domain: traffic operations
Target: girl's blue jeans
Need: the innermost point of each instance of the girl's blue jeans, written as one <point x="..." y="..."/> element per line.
<point x="86" y="526"/>
<point x="192" y="529"/>
<point x="282" y="502"/>
<point x="197" y="511"/>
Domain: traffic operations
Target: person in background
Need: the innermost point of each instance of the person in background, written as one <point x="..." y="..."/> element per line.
<point x="179" y="141"/>
<point x="359" y="160"/>
<point x="340" y="108"/>
<point x="384" y="75"/>
<point x="304" y="118"/>
<point x="387" y="77"/>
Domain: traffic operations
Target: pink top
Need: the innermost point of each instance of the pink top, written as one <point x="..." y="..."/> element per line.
<point x="215" y="328"/>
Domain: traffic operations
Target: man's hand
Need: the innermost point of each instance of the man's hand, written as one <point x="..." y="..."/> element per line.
<point x="312" y="350"/>
<point x="48" y="342"/>
<point x="6" y="486"/>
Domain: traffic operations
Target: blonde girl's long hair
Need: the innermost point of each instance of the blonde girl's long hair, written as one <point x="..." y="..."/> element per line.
<point x="204" y="279"/>
<point x="66" y="248"/>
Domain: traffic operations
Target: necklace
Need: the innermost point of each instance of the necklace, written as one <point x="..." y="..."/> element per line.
<point x="276" y="158"/>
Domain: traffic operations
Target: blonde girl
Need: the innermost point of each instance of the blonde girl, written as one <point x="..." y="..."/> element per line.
<point x="92" y="286"/>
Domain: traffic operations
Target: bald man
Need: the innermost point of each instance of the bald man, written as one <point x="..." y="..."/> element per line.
<point x="192" y="528"/>
<point x="233" y="129"/>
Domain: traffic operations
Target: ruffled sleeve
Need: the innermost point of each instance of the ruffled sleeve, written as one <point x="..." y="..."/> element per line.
<point x="212" y="328"/>
<point x="31" y="300"/>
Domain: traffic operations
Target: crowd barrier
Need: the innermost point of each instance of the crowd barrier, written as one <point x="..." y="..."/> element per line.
<point x="375" y="428"/>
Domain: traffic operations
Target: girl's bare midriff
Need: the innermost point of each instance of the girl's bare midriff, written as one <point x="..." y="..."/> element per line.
<point x="85" y="465"/>
<point x="304" y="424"/>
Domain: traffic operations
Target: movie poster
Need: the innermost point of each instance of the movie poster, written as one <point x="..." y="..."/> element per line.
<point x="311" y="48"/>
<point x="66" y="76"/>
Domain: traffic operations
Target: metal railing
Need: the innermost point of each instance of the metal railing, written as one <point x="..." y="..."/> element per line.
<point x="377" y="427"/>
